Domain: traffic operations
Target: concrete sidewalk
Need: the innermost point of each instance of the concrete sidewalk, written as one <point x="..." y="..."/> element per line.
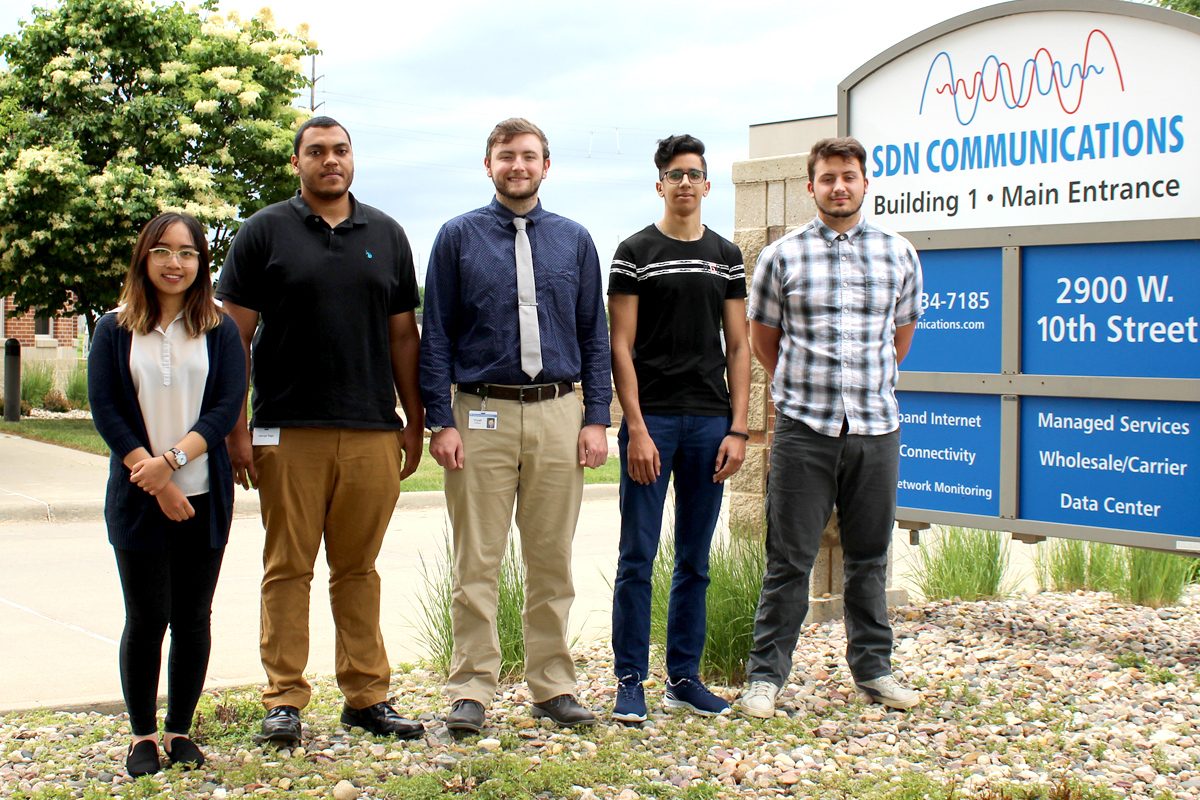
<point x="60" y="600"/>
<point x="61" y="611"/>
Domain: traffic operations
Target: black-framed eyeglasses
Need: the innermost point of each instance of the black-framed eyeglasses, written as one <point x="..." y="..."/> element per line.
<point x="676" y="175"/>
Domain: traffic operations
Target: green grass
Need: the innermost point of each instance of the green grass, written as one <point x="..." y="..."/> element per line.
<point x="80" y="434"/>
<point x="77" y="434"/>
<point x="961" y="563"/>
<point x="735" y="572"/>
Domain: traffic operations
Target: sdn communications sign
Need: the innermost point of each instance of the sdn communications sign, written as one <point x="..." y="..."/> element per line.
<point x="1044" y="157"/>
<point x="1035" y="118"/>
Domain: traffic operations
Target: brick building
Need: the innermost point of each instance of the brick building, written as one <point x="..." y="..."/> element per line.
<point x="50" y="335"/>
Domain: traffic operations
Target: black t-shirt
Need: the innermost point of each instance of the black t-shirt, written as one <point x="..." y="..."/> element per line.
<point x="678" y="352"/>
<point x="321" y="357"/>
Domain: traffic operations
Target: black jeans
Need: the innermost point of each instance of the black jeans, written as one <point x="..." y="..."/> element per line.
<point x="809" y="474"/>
<point x="172" y="586"/>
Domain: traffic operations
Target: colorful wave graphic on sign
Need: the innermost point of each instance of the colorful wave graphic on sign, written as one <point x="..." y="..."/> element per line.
<point x="1041" y="75"/>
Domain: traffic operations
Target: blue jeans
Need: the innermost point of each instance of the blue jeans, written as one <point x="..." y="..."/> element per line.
<point x="810" y="474"/>
<point x="687" y="448"/>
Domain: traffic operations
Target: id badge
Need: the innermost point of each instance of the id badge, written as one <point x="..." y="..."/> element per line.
<point x="263" y="436"/>
<point x="483" y="420"/>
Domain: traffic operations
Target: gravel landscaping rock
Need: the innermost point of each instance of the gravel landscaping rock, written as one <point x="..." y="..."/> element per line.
<point x="1025" y="695"/>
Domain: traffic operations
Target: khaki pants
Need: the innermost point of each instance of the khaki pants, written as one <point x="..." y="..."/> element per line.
<point x="341" y="484"/>
<point x="530" y="458"/>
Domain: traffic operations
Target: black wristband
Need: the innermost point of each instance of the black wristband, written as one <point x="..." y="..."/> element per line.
<point x="739" y="434"/>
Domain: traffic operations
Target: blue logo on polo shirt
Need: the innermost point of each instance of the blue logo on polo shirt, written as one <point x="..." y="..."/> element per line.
<point x="369" y="254"/>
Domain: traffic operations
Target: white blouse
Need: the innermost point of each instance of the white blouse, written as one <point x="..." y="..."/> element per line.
<point x="169" y="370"/>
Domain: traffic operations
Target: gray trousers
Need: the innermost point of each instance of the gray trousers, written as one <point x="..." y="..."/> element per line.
<point x="810" y="473"/>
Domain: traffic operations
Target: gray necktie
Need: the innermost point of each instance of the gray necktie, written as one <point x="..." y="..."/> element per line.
<point x="527" y="316"/>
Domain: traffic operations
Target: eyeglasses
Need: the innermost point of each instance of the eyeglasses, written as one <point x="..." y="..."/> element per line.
<point x="161" y="256"/>
<point x="676" y="175"/>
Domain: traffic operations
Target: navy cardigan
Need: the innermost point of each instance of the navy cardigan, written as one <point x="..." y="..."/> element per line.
<point x="118" y="418"/>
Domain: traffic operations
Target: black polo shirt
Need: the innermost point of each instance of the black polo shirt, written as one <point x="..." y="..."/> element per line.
<point x="321" y="357"/>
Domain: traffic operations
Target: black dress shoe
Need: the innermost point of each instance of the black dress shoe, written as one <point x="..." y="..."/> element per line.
<point x="142" y="759"/>
<point x="183" y="751"/>
<point x="281" y="726"/>
<point x="465" y="717"/>
<point x="382" y="720"/>
<point x="565" y="711"/>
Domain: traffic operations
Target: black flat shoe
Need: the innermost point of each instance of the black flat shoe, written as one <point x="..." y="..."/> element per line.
<point x="281" y="727"/>
<point x="142" y="759"/>
<point x="183" y="751"/>
<point x="382" y="720"/>
<point x="565" y="710"/>
<point x="465" y="718"/>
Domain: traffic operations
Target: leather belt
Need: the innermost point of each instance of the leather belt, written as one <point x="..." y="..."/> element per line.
<point x="522" y="394"/>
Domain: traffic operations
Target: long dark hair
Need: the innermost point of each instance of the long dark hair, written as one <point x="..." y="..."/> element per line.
<point x="141" y="310"/>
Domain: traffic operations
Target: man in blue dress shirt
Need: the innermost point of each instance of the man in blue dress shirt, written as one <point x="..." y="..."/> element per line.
<point x="514" y="337"/>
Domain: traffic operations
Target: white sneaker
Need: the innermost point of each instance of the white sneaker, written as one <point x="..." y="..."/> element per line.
<point x="759" y="699"/>
<point x="889" y="692"/>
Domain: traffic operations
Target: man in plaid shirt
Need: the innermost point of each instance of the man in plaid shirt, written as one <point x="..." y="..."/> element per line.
<point x="832" y="309"/>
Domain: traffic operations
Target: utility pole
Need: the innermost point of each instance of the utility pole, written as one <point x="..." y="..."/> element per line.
<point x="313" y="105"/>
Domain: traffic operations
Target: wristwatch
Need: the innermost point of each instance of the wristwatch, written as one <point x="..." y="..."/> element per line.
<point x="179" y="457"/>
<point x="436" y="428"/>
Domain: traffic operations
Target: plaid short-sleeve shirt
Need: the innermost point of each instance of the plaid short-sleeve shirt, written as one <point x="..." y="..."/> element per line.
<point x="838" y="299"/>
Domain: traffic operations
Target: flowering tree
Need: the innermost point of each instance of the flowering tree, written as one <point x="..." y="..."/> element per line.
<point x="1186" y="6"/>
<point x="112" y="111"/>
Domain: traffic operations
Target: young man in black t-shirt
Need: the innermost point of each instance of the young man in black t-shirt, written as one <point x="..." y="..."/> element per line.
<point x="681" y="364"/>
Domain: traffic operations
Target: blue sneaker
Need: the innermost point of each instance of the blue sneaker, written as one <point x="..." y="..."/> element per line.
<point x="691" y="694"/>
<point x="630" y="707"/>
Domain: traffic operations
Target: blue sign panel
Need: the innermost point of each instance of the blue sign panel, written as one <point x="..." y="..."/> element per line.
<point x="959" y="329"/>
<point x="1126" y="464"/>
<point x="949" y="452"/>
<point x="1126" y="310"/>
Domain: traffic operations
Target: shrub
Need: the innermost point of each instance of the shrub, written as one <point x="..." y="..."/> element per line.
<point x="735" y="572"/>
<point x="55" y="400"/>
<point x="435" y="629"/>
<point x="37" y="378"/>
<point x="961" y="563"/>
<point x="77" y="391"/>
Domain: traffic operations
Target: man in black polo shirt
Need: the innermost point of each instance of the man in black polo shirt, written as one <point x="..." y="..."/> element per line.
<point x="329" y="285"/>
<point x="674" y="288"/>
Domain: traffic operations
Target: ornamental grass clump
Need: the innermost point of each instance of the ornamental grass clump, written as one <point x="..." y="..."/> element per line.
<point x="961" y="563"/>
<point x="735" y="571"/>
<point x="1154" y="578"/>
<point x="1068" y="565"/>
<point x="435" y="629"/>
<point x="37" y="378"/>
<point x="76" y="389"/>
<point x="1143" y="577"/>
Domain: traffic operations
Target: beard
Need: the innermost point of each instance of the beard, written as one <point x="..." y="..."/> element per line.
<point x="844" y="211"/>
<point x="530" y="189"/>
<point x="328" y="193"/>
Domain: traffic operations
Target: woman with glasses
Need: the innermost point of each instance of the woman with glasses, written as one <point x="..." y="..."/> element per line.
<point x="166" y="379"/>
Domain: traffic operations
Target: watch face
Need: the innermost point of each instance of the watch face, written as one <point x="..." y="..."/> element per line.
<point x="180" y="457"/>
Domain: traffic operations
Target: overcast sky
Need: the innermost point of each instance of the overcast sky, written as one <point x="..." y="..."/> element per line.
<point x="420" y="85"/>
